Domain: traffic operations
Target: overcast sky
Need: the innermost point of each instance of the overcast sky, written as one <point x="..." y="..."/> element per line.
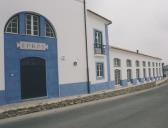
<point x="137" y="24"/>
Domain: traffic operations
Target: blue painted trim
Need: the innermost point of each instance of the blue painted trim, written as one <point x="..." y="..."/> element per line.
<point x="124" y="82"/>
<point x="42" y="26"/>
<point x="2" y="98"/>
<point x="22" y="23"/>
<point x="108" y="54"/>
<point x="112" y="84"/>
<point x="73" y="89"/>
<point x="100" y="87"/>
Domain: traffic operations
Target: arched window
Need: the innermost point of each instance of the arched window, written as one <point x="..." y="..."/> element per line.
<point x="49" y="30"/>
<point x="33" y="25"/>
<point x="129" y="63"/>
<point x="117" y="62"/>
<point x="12" y="25"/>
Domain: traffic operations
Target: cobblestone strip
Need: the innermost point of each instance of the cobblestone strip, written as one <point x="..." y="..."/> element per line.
<point x="78" y="100"/>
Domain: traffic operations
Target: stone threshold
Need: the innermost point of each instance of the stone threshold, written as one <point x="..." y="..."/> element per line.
<point x="28" y="107"/>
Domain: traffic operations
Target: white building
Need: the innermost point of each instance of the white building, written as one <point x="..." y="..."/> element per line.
<point x="56" y="49"/>
<point x="129" y="67"/>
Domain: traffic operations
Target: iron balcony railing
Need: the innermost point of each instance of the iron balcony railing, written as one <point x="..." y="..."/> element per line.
<point x="99" y="49"/>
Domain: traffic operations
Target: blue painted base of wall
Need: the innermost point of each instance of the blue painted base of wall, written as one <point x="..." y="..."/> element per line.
<point x="141" y="80"/>
<point x="2" y="98"/>
<point x="151" y="78"/>
<point x="124" y="82"/>
<point x="134" y="81"/>
<point x="101" y="86"/>
<point x="73" y="89"/>
<point x="147" y="79"/>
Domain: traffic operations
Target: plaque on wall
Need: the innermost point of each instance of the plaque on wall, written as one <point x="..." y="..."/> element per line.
<point x="32" y="46"/>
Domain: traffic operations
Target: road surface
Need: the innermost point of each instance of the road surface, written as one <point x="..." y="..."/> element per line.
<point x="141" y="110"/>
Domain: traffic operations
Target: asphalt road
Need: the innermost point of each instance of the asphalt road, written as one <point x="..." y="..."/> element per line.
<point x="142" y="110"/>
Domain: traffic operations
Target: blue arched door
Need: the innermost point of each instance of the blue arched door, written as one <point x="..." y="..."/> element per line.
<point x="31" y="64"/>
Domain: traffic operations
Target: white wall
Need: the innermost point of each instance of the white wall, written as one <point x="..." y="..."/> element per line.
<point x="68" y="19"/>
<point x="123" y="55"/>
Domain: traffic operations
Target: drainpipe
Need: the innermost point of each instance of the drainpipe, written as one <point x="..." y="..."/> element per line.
<point x="86" y="47"/>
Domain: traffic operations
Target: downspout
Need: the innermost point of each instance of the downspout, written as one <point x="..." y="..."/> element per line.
<point x="86" y="47"/>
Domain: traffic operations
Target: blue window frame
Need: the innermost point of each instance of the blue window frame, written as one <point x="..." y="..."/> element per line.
<point x="100" y="71"/>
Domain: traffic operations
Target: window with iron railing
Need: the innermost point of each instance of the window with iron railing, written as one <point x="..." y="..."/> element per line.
<point x="99" y="48"/>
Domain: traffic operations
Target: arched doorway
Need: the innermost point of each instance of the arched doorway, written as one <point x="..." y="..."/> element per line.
<point x="33" y="77"/>
<point x="30" y="46"/>
<point x="117" y="77"/>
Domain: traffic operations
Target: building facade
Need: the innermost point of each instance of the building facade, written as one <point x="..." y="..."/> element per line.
<point x="133" y="68"/>
<point x="56" y="51"/>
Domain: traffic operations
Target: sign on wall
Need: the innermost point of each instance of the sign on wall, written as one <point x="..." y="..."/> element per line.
<point x="32" y="46"/>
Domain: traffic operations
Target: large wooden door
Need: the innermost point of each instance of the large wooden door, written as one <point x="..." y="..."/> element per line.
<point x="33" y="78"/>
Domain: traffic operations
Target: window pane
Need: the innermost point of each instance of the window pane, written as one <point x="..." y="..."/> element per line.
<point x="49" y="30"/>
<point x="12" y="26"/>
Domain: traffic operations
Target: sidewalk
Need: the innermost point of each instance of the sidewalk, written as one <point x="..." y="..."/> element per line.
<point x="26" y="107"/>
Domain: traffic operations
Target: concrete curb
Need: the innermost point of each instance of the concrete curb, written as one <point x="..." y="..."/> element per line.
<point x="13" y="112"/>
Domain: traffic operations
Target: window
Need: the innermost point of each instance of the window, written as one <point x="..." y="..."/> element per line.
<point x="153" y="72"/>
<point x="149" y="72"/>
<point x="157" y="74"/>
<point x="137" y="63"/>
<point x="129" y="64"/>
<point x="100" y="70"/>
<point x="144" y="73"/>
<point x="144" y="64"/>
<point x="129" y="75"/>
<point x="149" y="64"/>
<point x="138" y="74"/>
<point x="160" y="71"/>
<point x="153" y="64"/>
<point x="156" y="64"/>
<point x="98" y="44"/>
<point x="32" y="24"/>
<point x="12" y="25"/>
<point x="117" y="62"/>
<point x="49" y="30"/>
<point x="98" y="37"/>
<point x="117" y="77"/>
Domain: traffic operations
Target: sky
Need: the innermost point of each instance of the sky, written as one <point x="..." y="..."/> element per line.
<point x="137" y="24"/>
